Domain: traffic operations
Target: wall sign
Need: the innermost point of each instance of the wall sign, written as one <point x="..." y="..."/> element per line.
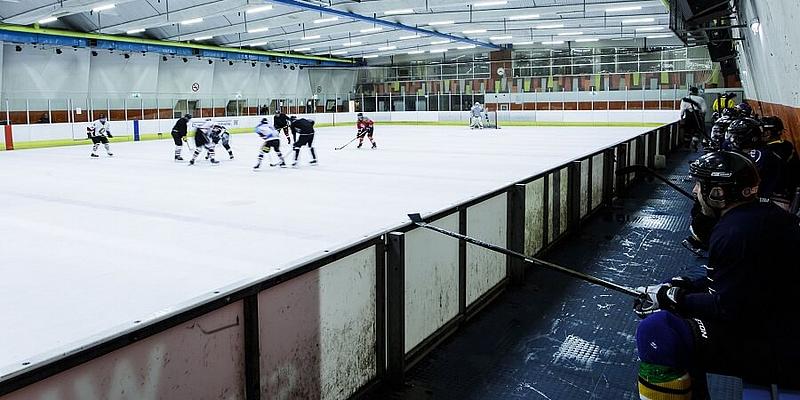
<point x="195" y="87"/>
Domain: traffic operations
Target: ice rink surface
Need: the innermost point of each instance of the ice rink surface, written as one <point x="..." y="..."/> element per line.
<point x="91" y="245"/>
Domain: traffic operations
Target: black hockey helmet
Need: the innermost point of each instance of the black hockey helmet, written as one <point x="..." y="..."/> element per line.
<point x="725" y="177"/>
<point x="744" y="134"/>
<point x="744" y="109"/>
<point x="772" y="126"/>
<point x="694" y="90"/>
<point x="360" y="115"/>
<point x="264" y="120"/>
<point x="188" y="116"/>
<point x="718" y="131"/>
<point x="277" y="111"/>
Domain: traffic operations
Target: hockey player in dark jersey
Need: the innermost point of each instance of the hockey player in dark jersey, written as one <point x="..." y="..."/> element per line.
<point x="220" y="134"/>
<point x="739" y="319"/>
<point x="99" y="132"/>
<point x="303" y="129"/>
<point x="179" y="132"/>
<point x="365" y="127"/>
<point x="272" y="141"/>
<point x="785" y="152"/>
<point x="202" y="140"/>
<point x="281" y="123"/>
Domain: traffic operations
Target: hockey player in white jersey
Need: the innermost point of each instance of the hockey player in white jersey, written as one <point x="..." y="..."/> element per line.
<point x="99" y="132"/>
<point x="272" y="140"/>
<point x="220" y="134"/>
<point x="202" y="140"/>
<point x="476" y="116"/>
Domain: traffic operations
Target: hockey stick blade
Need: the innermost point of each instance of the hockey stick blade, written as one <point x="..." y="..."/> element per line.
<point x="641" y="168"/>
<point x="416" y="218"/>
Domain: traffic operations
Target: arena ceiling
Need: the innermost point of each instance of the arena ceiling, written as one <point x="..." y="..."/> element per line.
<point x="362" y="29"/>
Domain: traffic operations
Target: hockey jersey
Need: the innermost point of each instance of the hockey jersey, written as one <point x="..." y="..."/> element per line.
<point x="476" y="110"/>
<point x="364" y="123"/>
<point x="303" y="126"/>
<point x="267" y="131"/>
<point x="100" y="128"/>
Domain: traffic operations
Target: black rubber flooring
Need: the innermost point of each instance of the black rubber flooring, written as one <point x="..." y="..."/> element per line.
<point x="555" y="337"/>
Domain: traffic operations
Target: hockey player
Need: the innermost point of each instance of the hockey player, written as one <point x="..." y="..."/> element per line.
<point x="476" y="116"/>
<point x="202" y="140"/>
<point x="220" y="134"/>
<point x="784" y="151"/>
<point x="99" y="132"/>
<point x="179" y="132"/>
<point x="739" y="319"/>
<point x="693" y="111"/>
<point x="366" y="127"/>
<point x="303" y="130"/>
<point x="281" y="123"/>
<point x="271" y="141"/>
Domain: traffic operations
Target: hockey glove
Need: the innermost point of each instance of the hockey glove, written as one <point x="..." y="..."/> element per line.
<point x="655" y="298"/>
<point x="681" y="282"/>
<point x="109" y="134"/>
<point x="184" y="138"/>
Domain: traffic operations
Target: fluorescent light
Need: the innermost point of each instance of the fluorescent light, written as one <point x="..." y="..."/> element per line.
<point x="521" y="43"/>
<point x="658" y="36"/>
<point x="257" y="44"/>
<point x="438" y="23"/>
<point x="105" y="7"/>
<point x="324" y="20"/>
<point x="472" y="46"/>
<point x="570" y="34"/>
<point x="525" y="16"/>
<point x="755" y="25"/>
<point x="506" y="37"/>
<point x="259" y="9"/>
<point x="339" y="52"/>
<point x="474" y="31"/>
<point x="135" y="31"/>
<point x="650" y="29"/>
<point x="587" y="40"/>
<point x="351" y="44"/>
<point x="48" y="20"/>
<point x="438" y="50"/>
<point x="386" y="48"/>
<point x="637" y="20"/>
<point x="192" y="21"/>
<point x="622" y="38"/>
<point x="257" y="30"/>
<point x="401" y="11"/>
<point x="554" y="42"/>
<point x="376" y="29"/>
<point x="416" y="52"/>
<point x="619" y="9"/>
<point x="490" y="3"/>
<point x="409" y="37"/>
<point x="303" y="49"/>
<point x="310" y="37"/>
<point x="435" y="42"/>
<point x="371" y="56"/>
<point x="551" y="26"/>
<point x="199" y="38"/>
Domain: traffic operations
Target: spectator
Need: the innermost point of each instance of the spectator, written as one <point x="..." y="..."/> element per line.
<point x="43" y="119"/>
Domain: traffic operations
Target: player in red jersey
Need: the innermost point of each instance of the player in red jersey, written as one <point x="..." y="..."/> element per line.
<point x="365" y="128"/>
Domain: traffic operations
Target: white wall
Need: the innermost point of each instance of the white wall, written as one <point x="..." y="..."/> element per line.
<point x="115" y="74"/>
<point x="41" y="73"/>
<point x="770" y="60"/>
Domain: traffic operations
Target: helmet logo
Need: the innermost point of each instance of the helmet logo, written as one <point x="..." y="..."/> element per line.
<point x="755" y="155"/>
<point x="721" y="174"/>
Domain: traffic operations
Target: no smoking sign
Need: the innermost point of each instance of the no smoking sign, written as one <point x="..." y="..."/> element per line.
<point x="195" y="87"/>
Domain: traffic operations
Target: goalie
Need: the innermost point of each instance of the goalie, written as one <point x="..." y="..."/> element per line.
<point x="366" y="127"/>
<point x="476" y="116"/>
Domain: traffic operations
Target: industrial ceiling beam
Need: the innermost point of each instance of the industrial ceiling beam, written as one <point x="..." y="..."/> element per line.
<point x="388" y="24"/>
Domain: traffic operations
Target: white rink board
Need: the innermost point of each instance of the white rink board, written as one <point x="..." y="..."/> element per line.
<point x="89" y="246"/>
<point x="486" y="221"/>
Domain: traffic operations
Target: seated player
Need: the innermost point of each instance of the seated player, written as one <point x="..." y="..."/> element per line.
<point x="366" y="127"/>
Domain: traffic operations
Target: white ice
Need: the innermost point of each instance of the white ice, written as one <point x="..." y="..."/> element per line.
<point x="90" y="245"/>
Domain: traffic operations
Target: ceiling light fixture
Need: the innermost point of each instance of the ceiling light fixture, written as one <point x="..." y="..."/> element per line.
<point x="48" y="20"/>
<point x="257" y="30"/>
<point x="310" y="37"/>
<point x="387" y="48"/>
<point x="474" y="31"/>
<point x="755" y="25"/>
<point x="650" y="29"/>
<point x="638" y="20"/>
<point x="658" y="36"/>
<point x="570" y="34"/>
<point x="339" y="52"/>
<point x="199" y="38"/>
<point x="192" y="21"/>
<point x="409" y="37"/>
<point x="438" y="50"/>
<point x="587" y="40"/>
<point x="303" y="49"/>
<point x="351" y="44"/>
<point x="324" y="20"/>
<point x="257" y="44"/>
<point x="369" y="30"/>
<point x="521" y="43"/>
<point x="551" y="26"/>
<point x="522" y="17"/>
<point x="490" y="3"/>
<point x="435" y="42"/>
<point x="259" y="9"/>
<point x="554" y="42"/>
<point x="401" y="11"/>
<point x="504" y="37"/>
<point x="621" y="9"/>
<point x="472" y="46"/>
<point x="439" y="23"/>
<point x="412" y="52"/>
<point x="135" y="31"/>
<point x="371" y="56"/>
<point x="104" y="8"/>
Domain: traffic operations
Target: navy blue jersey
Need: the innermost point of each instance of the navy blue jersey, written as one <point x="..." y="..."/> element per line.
<point x="302" y="126"/>
<point x="753" y="272"/>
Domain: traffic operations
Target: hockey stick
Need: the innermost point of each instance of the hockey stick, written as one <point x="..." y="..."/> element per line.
<point x="417" y="219"/>
<point x="351" y="141"/>
<point x="641" y="168"/>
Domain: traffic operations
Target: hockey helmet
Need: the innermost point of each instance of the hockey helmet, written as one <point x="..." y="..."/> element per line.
<point x="360" y="115"/>
<point x="188" y="116"/>
<point x="725" y="177"/>
<point x="718" y="131"/>
<point x="103" y="118"/>
<point x="694" y="90"/>
<point x="264" y="120"/>
<point x="743" y="134"/>
<point x="277" y="111"/>
<point x="744" y="109"/>
<point x="772" y="126"/>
